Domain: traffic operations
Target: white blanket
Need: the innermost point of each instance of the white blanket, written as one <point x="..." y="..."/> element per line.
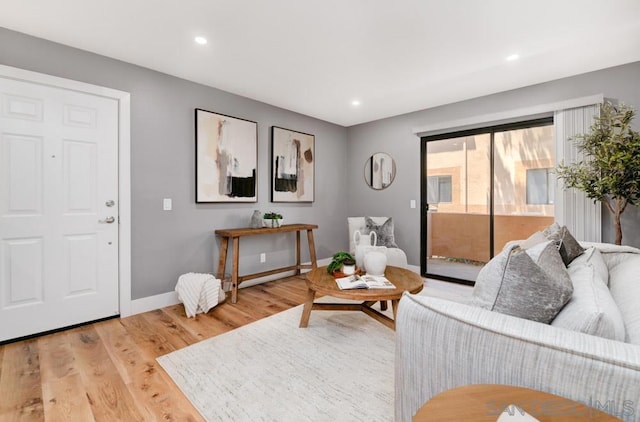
<point x="199" y="292"/>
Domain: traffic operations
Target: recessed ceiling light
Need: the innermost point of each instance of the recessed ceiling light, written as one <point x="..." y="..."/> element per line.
<point x="200" y="40"/>
<point x="355" y="103"/>
<point x="513" y="57"/>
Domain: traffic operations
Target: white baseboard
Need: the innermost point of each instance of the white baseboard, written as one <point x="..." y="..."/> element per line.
<point x="151" y="303"/>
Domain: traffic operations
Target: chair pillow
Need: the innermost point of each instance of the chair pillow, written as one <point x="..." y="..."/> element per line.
<point x="569" y="247"/>
<point x="531" y="284"/>
<point x="592" y="309"/>
<point x="358" y="223"/>
<point x="383" y="231"/>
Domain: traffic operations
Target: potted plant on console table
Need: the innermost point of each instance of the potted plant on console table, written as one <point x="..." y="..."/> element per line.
<point x="272" y="219"/>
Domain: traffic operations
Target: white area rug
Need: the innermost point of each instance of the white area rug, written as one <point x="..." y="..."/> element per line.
<point x="340" y="368"/>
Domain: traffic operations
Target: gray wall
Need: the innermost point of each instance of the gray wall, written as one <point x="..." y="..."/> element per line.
<point x="166" y="244"/>
<point x="394" y="135"/>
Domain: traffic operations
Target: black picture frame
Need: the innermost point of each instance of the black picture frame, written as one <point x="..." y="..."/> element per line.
<point x="226" y="158"/>
<point x="292" y="165"/>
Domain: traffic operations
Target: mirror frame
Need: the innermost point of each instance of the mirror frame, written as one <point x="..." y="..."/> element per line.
<point x="368" y="171"/>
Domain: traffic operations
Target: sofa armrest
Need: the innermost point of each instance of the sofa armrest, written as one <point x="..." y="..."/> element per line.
<point x="441" y="345"/>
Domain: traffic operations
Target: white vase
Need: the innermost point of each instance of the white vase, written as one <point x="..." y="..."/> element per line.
<point x="363" y="244"/>
<point x="375" y="262"/>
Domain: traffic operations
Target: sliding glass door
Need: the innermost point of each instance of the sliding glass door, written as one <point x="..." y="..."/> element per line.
<point x="458" y="179"/>
<point x="481" y="189"/>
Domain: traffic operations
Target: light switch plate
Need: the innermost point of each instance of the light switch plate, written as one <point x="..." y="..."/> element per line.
<point x="166" y="204"/>
<point x="412" y="204"/>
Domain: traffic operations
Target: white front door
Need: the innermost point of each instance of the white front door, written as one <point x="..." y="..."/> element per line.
<point x="58" y="208"/>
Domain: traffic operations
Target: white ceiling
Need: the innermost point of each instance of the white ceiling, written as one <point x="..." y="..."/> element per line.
<point x="316" y="56"/>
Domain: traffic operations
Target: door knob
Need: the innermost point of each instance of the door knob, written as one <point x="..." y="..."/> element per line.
<point x="107" y="220"/>
<point x="110" y="203"/>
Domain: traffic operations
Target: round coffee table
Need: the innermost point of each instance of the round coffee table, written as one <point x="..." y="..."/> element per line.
<point x="320" y="281"/>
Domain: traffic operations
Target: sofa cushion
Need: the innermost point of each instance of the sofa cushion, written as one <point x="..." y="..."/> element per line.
<point x="533" y="240"/>
<point x="624" y="285"/>
<point x="569" y="247"/>
<point x="531" y="284"/>
<point x="384" y="231"/>
<point x="591" y="309"/>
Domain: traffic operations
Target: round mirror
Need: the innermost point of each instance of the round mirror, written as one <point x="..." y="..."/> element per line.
<point x="379" y="170"/>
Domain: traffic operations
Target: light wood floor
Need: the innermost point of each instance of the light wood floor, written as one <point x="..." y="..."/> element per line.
<point x="107" y="371"/>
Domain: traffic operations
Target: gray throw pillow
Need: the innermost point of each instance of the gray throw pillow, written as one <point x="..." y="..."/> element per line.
<point x="383" y="231"/>
<point x="532" y="284"/>
<point x="592" y="309"/>
<point x="569" y="247"/>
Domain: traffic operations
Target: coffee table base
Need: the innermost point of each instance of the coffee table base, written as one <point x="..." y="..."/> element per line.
<point x="365" y="307"/>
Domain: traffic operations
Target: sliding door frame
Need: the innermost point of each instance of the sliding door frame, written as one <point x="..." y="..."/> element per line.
<point x="424" y="206"/>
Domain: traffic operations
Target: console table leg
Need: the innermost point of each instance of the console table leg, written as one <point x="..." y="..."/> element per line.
<point x="234" y="271"/>
<point x="222" y="259"/>
<point x="312" y="249"/>
<point x="298" y="253"/>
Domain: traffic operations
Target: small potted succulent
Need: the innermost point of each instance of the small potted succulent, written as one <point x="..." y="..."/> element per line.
<point x="342" y="261"/>
<point x="272" y="219"/>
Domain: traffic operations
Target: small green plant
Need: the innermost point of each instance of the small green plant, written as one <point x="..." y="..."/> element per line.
<point x="272" y="216"/>
<point x="338" y="259"/>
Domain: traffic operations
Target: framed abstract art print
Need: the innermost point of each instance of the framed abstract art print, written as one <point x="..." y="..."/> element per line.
<point x="292" y="166"/>
<point x="226" y="158"/>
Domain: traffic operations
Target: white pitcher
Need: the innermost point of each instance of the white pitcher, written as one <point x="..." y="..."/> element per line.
<point x="363" y="244"/>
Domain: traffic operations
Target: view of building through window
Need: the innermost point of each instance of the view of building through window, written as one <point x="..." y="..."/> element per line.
<point x="510" y="171"/>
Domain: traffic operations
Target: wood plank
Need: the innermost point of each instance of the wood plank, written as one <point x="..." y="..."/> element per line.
<point x="21" y="385"/>
<point x="266" y="302"/>
<point x="290" y="296"/>
<point x="65" y="399"/>
<point x="56" y="357"/>
<point x="147" y="337"/>
<point x="108" y="395"/>
<point x="153" y="392"/>
<point x="62" y="389"/>
<point x="231" y="315"/>
<point x="170" y="329"/>
<point x="257" y="309"/>
<point x="201" y="326"/>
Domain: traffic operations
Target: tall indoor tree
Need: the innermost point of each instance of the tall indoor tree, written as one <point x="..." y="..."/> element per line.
<point x="610" y="172"/>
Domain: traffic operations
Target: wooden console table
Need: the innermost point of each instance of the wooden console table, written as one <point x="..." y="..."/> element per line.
<point x="236" y="234"/>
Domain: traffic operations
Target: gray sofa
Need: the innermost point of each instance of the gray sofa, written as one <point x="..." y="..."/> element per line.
<point x="442" y="344"/>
